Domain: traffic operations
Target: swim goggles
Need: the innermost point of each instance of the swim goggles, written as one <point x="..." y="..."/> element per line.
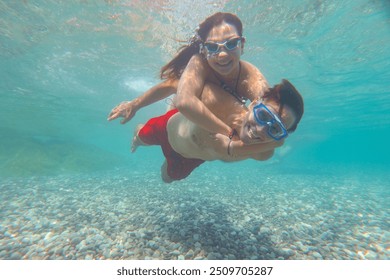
<point x="265" y="117"/>
<point x="229" y="45"/>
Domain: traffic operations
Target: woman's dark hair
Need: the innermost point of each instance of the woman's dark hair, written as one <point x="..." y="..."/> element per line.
<point x="174" y="68"/>
<point x="286" y="94"/>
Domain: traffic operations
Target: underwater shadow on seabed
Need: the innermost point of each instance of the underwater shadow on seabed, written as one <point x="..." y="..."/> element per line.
<point x="122" y="217"/>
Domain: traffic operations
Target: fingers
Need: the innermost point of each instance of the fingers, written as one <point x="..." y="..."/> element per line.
<point x="115" y="113"/>
<point x="126" y="110"/>
<point x="113" y="116"/>
<point x="118" y="111"/>
<point x="217" y="136"/>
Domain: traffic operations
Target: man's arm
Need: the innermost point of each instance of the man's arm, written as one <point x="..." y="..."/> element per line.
<point x="127" y="110"/>
<point x="259" y="151"/>
<point x="236" y="150"/>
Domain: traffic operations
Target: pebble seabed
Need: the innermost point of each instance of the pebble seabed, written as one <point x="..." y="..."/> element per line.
<point x="211" y="217"/>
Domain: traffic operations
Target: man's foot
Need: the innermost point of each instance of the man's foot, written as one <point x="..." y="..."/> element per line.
<point x="164" y="173"/>
<point x="136" y="141"/>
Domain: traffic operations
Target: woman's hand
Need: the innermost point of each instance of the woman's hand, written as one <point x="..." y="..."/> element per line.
<point x="126" y="110"/>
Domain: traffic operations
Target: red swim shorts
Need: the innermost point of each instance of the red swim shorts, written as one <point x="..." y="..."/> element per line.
<point x="154" y="132"/>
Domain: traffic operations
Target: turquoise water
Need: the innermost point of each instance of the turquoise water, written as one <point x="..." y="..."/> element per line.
<point x="65" y="64"/>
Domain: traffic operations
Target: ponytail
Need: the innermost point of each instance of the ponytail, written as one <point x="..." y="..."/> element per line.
<point x="174" y="68"/>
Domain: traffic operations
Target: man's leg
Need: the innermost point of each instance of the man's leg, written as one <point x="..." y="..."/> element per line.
<point x="136" y="140"/>
<point x="164" y="173"/>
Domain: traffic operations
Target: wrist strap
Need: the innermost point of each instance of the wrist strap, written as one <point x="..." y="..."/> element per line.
<point x="228" y="148"/>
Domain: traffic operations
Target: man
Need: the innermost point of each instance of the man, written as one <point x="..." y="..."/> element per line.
<point x="261" y="128"/>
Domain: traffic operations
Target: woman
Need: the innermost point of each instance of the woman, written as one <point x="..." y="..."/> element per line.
<point x="213" y="55"/>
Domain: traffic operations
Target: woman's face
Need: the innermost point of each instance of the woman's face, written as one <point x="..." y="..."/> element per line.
<point x="252" y="132"/>
<point x="224" y="61"/>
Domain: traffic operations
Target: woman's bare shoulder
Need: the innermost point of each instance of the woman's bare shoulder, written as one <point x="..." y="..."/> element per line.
<point x="250" y="69"/>
<point x="254" y="83"/>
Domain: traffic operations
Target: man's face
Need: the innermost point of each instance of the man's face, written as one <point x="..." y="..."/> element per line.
<point x="252" y="132"/>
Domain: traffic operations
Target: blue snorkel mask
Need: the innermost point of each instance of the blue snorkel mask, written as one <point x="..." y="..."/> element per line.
<point x="265" y="117"/>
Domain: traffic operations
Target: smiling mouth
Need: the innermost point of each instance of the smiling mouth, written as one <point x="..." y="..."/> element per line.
<point x="252" y="134"/>
<point x="225" y="64"/>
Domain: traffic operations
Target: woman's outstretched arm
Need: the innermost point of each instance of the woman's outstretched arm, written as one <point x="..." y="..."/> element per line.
<point x="127" y="109"/>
